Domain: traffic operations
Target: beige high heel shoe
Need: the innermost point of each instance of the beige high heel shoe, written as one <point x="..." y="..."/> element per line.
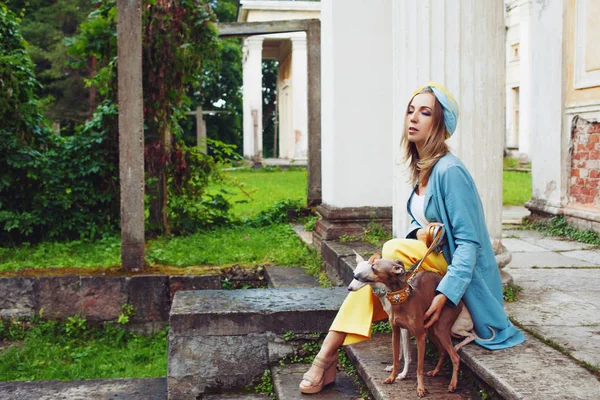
<point x="314" y="385"/>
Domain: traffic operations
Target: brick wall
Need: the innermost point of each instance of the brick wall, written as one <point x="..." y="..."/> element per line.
<point x="584" y="186"/>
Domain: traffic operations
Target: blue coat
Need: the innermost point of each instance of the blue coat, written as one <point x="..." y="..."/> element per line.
<point x="473" y="275"/>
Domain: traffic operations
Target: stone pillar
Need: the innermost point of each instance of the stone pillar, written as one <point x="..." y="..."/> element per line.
<point x="252" y="103"/>
<point x="356" y="116"/>
<point x="131" y="133"/>
<point x="201" y="130"/>
<point x="550" y="155"/>
<point x="431" y="43"/>
<point x="299" y="96"/>
<point x="525" y="81"/>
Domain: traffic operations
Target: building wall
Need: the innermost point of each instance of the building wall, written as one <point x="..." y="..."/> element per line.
<point x="582" y="101"/>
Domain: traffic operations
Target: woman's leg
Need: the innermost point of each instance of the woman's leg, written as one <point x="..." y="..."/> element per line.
<point x="331" y="344"/>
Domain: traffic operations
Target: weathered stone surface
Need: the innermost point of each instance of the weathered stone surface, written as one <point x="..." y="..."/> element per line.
<point x="17" y="297"/>
<point x="102" y="297"/>
<point x="149" y="295"/>
<point x="591" y="256"/>
<point x="545" y="259"/>
<point x="518" y="245"/>
<point x="531" y="370"/>
<point x="334" y="253"/>
<point x="239" y="312"/>
<point x="289" y="277"/>
<point x="559" y="244"/>
<point x="372" y="356"/>
<point x="212" y="364"/>
<point x="247" y="396"/>
<point x="346" y="267"/>
<point x="92" y="389"/>
<point x="194" y="282"/>
<point x="575" y="281"/>
<point x="59" y="296"/>
<point x="286" y="379"/>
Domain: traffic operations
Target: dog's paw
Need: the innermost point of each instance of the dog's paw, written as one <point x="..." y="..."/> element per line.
<point x="390" y="380"/>
<point x="452" y="388"/>
<point x="421" y="392"/>
<point x="389" y="368"/>
<point x="433" y="372"/>
<point x="402" y="375"/>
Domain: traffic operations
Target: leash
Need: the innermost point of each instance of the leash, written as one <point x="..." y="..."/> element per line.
<point x="433" y="238"/>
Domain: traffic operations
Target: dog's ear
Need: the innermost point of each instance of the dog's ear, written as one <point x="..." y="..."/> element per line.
<point x="398" y="268"/>
<point x="374" y="257"/>
<point x="359" y="258"/>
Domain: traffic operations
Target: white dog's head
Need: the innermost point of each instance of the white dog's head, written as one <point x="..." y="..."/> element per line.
<point x="362" y="266"/>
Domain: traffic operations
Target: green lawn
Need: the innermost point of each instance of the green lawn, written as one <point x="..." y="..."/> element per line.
<point x="256" y="190"/>
<point x="516" y="188"/>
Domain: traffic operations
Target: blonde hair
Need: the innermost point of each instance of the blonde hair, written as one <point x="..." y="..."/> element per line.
<point x="421" y="164"/>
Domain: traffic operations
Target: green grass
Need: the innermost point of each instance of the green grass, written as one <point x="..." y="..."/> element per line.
<point x="48" y="352"/>
<point x="256" y="190"/>
<point x="276" y="244"/>
<point x="516" y="188"/>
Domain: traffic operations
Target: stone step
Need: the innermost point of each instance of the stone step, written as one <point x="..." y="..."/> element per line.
<point x="286" y="379"/>
<point x="531" y="370"/>
<point x="289" y="277"/>
<point x="213" y="331"/>
<point x="244" y="396"/>
<point x="91" y="389"/>
<point x="372" y="356"/>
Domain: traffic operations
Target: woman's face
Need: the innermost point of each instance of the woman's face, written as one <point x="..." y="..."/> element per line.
<point x="419" y="118"/>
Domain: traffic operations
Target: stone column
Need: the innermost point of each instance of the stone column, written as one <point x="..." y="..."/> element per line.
<point x="525" y="81"/>
<point x="252" y="103"/>
<point x="131" y="133"/>
<point x="550" y="155"/>
<point x="299" y="96"/>
<point x="430" y="42"/>
<point x="356" y="114"/>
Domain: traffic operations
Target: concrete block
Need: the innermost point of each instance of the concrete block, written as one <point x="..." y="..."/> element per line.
<point x="59" y="296"/>
<point x="212" y="364"/>
<point x="102" y="297"/>
<point x="287" y="377"/>
<point x="17" y="297"/>
<point x="149" y="295"/>
<point x="240" y="312"/>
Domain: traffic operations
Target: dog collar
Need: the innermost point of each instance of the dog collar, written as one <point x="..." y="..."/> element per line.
<point x="399" y="296"/>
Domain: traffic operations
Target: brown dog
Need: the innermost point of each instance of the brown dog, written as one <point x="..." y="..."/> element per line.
<point x="410" y="314"/>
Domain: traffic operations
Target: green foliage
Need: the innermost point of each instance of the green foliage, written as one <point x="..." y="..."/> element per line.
<point x="127" y="312"/>
<point x="269" y="114"/>
<point x="558" y="226"/>
<point x="74" y="349"/>
<point x="310" y="223"/>
<point x="276" y="214"/>
<point x="265" y="387"/>
<point x="376" y="234"/>
<point x="382" y="327"/>
<point x="511" y="292"/>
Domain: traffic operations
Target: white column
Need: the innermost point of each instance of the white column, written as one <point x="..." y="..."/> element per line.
<point x="526" y="80"/>
<point x="356" y="68"/>
<point x="550" y="154"/>
<point x="252" y="91"/>
<point x="299" y="96"/>
<point x="430" y="42"/>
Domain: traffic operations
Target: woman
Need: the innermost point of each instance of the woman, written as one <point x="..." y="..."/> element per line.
<point x="443" y="192"/>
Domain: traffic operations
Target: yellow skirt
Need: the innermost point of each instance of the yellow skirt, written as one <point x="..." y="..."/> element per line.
<point x="362" y="307"/>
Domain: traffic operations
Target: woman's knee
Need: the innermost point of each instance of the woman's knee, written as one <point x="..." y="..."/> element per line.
<point x="401" y="248"/>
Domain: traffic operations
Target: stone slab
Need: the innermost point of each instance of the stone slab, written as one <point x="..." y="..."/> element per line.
<point x="582" y="342"/>
<point x="239" y="312"/>
<point x="303" y="234"/>
<point x="559" y="244"/>
<point x="150" y="297"/>
<point x="17" y="297"/>
<point x="214" y="364"/>
<point x="521" y="234"/>
<point x="570" y="280"/>
<point x="372" y="356"/>
<point x="92" y="389"/>
<point x="59" y="296"/>
<point x="591" y="256"/>
<point x="289" y="277"/>
<point x="102" y="297"/>
<point x="346" y="267"/>
<point x="545" y="259"/>
<point x="286" y="379"/>
<point x="531" y="370"/>
<point x="518" y="245"/>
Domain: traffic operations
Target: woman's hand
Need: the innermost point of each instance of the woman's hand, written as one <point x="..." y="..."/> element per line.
<point x="435" y="309"/>
<point x="422" y="235"/>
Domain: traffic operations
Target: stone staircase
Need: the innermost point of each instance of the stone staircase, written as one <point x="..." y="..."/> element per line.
<point x="530" y="371"/>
